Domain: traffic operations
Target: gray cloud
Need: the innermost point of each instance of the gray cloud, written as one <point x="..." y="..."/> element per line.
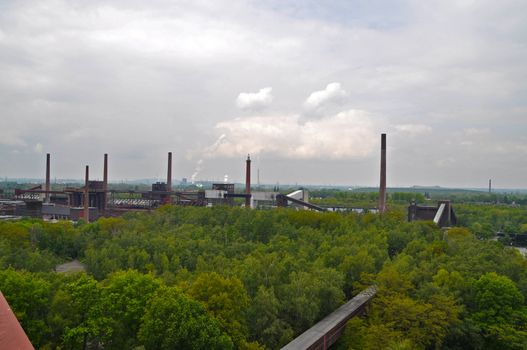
<point x="413" y="129"/>
<point x="138" y="79"/>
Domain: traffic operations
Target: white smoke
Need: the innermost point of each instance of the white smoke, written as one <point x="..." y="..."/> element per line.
<point x="206" y="152"/>
<point x="197" y="170"/>
<point x="212" y="148"/>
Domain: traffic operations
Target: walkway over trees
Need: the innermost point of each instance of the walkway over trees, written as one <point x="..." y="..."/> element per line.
<point x="326" y="332"/>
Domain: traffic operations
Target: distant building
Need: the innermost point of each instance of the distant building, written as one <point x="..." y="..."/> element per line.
<point x="443" y="214"/>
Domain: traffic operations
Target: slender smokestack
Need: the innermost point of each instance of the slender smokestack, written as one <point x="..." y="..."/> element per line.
<point x="169" y="172"/>
<point x="382" y="189"/>
<point x="490" y="185"/>
<point x="48" y="185"/>
<point x="248" y="182"/>
<point x="87" y="195"/>
<point x="169" y="177"/>
<point x="105" y="182"/>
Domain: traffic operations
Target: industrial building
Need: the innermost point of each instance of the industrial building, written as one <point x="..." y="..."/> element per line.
<point x="443" y="214"/>
<point x="94" y="199"/>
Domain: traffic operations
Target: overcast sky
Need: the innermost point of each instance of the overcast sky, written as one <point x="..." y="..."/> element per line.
<point x="305" y="87"/>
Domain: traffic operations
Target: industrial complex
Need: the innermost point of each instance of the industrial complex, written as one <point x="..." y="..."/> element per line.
<point x="94" y="199"/>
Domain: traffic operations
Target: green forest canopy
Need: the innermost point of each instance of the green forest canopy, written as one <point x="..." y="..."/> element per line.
<point x="226" y="278"/>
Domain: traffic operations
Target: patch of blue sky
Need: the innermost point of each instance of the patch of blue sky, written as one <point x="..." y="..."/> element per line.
<point x="373" y="14"/>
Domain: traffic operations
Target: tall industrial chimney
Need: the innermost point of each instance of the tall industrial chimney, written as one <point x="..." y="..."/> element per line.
<point x="382" y="188"/>
<point x="169" y="177"/>
<point x="248" y="182"/>
<point x="87" y="195"/>
<point x="105" y="182"/>
<point x="490" y="185"/>
<point x="48" y="184"/>
<point x="169" y="172"/>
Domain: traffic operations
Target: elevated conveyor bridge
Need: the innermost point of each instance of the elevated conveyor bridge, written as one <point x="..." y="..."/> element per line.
<point x="326" y="332"/>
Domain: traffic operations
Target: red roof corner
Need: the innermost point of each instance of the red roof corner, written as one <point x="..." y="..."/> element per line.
<point x="12" y="336"/>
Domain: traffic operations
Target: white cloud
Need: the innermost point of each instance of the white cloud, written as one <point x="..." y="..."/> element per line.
<point x="445" y="162"/>
<point x="332" y="93"/>
<point x="349" y="134"/>
<point x="38" y="148"/>
<point x="8" y="138"/>
<point x="476" y="131"/>
<point x="255" y="100"/>
<point x="413" y="129"/>
<point x="522" y="147"/>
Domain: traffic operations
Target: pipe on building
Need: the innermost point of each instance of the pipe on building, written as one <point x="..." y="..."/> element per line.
<point x="248" y="182"/>
<point x="87" y="195"/>
<point x="382" y="188"/>
<point x="105" y="182"/>
<point x="48" y="178"/>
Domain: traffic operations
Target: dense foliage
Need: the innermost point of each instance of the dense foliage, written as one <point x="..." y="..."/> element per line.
<point x="485" y="220"/>
<point x="206" y="278"/>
